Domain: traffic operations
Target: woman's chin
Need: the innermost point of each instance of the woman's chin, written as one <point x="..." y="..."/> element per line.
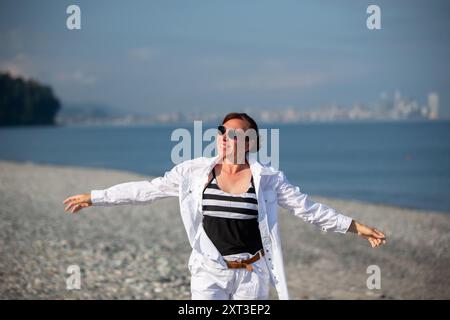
<point x="224" y="151"/>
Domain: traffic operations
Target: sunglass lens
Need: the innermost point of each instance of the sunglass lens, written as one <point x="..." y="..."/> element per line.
<point x="221" y="129"/>
<point x="232" y="134"/>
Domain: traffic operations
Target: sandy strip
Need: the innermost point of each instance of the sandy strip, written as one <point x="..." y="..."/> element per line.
<point x="141" y="251"/>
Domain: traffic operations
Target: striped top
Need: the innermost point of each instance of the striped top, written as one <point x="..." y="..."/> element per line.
<point x="230" y="220"/>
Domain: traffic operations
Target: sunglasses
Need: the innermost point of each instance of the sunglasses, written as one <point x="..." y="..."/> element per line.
<point x="232" y="133"/>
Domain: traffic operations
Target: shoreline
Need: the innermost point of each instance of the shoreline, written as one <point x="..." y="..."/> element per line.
<point x="362" y="202"/>
<point x="141" y="251"/>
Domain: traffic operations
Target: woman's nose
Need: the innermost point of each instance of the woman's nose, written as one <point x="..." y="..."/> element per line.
<point x="224" y="137"/>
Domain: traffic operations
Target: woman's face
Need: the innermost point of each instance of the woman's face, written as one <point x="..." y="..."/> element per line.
<point x="230" y="147"/>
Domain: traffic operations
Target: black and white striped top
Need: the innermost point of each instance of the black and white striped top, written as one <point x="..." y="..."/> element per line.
<point x="230" y="220"/>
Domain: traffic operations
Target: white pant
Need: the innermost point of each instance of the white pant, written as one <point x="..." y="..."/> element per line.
<point x="211" y="282"/>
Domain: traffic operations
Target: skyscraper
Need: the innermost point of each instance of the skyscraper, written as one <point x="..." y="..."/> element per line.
<point x="433" y="104"/>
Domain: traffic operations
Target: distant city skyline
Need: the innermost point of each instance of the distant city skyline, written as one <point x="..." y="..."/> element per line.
<point x="157" y="57"/>
<point x="388" y="107"/>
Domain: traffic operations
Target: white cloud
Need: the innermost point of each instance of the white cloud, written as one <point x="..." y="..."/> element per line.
<point x="77" y="77"/>
<point x="21" y="65"/>
<point x="262" y="74"/>
<point x="13" y="69"/>
<point x="18" y="66"/>
<point x="268" y="81"/>
<point x="218" y="62"/>
<point x="143" y="54"/>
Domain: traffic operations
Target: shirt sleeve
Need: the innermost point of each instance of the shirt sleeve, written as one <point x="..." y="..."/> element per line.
<point x="140" y="192"/>
<point x="300" y="204"/>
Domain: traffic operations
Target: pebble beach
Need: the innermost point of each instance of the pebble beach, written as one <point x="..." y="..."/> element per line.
<point x="141" y="251"/>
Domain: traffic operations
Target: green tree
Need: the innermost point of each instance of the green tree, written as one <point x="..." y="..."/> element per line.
<point x="26" y="102"/>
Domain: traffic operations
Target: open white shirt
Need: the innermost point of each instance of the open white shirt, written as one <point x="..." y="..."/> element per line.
<point x="187" y="180"/>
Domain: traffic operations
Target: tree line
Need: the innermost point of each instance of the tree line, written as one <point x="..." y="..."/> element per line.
<point x="26" y="102"/>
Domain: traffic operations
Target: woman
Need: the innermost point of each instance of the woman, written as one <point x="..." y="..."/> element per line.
<point x="228" y="205"/>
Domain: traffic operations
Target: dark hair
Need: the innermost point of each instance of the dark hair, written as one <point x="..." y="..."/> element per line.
<point x="246" y="117"/>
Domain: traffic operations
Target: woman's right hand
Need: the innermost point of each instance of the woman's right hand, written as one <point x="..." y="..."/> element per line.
<point x="77" y="202"/>
<point x="374" y="236"/>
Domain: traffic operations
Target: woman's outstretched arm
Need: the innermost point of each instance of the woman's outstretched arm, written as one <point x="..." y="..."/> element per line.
<point x="328" y="219"/>
<point x="134" y="192"/>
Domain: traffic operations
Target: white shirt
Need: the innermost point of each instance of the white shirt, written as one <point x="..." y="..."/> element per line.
<point x="187" y="180"/>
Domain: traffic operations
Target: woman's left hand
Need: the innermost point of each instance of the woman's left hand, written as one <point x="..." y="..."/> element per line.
<point x="374" y="236"/>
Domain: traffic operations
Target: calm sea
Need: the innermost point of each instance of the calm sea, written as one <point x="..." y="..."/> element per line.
<point x="399" y="163"/>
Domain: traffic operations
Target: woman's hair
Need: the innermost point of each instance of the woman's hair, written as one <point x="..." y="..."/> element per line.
<point x="253" y="125"/>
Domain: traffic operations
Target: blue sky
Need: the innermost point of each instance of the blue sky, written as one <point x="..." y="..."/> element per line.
<point x="157" y="56"/>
